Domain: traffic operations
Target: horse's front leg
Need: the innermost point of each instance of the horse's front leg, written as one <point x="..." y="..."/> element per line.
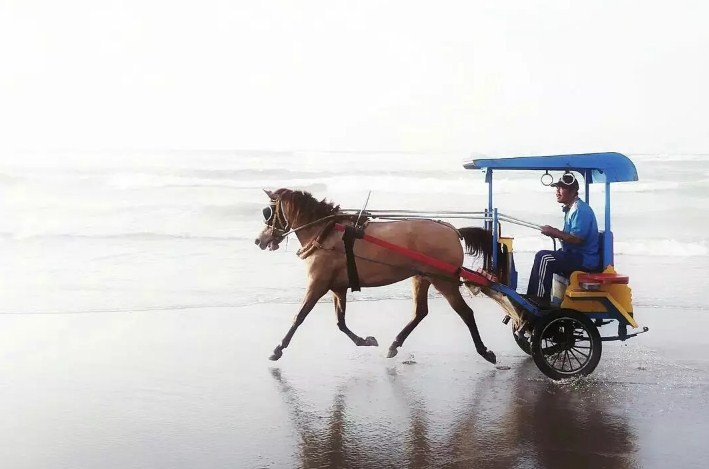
<point x="312" y="295"/>
<point x="340" y="299"/>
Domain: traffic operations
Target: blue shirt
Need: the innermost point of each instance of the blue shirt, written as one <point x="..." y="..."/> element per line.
<point x="580" y="221"/>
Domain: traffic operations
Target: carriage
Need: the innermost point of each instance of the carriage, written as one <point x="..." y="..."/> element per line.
<point x="561" y="335"/>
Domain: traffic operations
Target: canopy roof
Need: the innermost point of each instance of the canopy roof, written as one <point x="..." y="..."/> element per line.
<point x="596" y="167"/>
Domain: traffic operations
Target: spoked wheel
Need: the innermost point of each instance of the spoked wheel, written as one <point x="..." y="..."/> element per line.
<point x="523" y="342"/>
<point x="566" y="343"/>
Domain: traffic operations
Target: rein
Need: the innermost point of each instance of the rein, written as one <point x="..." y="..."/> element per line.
<point x="319" y="220"/>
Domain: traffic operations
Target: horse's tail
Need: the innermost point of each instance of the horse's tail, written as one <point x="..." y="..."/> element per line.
<point x="477" y="241"/>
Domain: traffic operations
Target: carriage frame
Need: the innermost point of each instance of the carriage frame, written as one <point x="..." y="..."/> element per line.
<point x="591" y="299"/>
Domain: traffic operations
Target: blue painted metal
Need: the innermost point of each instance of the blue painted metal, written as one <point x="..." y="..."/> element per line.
<point x="512" y="294"/>
<point x="513" y="272"/>
<point x="603" y="167"/>
<point x="608" y="234"/>
<point x="495" y="238"/>
<point x="488" y="179"/>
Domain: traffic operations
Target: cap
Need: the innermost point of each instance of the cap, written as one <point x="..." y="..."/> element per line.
<point x="567" y="180"/>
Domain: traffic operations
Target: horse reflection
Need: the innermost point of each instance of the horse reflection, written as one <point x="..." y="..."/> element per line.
<point x="503" y="420"/>
<point x="331" y="446"/>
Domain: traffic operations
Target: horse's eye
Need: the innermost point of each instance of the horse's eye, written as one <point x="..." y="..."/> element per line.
<point x="268" y="213"/>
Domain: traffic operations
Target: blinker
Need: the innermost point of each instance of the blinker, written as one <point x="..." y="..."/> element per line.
<point x="268" y="213"/>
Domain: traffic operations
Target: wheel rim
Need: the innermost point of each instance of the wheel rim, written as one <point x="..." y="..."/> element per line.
<point x="566" y="345"/>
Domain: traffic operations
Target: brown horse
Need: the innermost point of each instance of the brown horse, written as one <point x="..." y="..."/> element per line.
<point x="323" y="251"/>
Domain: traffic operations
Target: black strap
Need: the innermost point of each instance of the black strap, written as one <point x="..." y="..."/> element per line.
<point x="351" y="233"/>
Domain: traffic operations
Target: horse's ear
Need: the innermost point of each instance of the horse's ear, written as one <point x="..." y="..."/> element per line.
<point x="270" y="194"/>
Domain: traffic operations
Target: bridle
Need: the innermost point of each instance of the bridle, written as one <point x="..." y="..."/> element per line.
<point x="273" y="215"/>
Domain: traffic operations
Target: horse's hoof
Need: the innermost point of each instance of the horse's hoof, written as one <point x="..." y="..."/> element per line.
<point x="371" y="341"/>
<point x="276" y="355"/>
<point x="489" y="356"/>
<point x="392" y="353"/>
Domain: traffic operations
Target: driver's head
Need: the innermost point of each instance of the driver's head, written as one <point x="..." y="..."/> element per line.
<point x="567" y="188"/>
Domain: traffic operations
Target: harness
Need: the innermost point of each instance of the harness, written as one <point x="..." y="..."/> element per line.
<point x="274" y="215"/>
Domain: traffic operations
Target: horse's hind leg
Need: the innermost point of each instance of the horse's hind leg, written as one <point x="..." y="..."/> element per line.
<point x="451" y="291"/>
<point x="420" y="294"/>
<point x="340" y="299"/>
<point x="312" y="295"/>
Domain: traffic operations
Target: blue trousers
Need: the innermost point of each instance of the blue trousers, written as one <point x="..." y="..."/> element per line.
<point x="548" y="263"/>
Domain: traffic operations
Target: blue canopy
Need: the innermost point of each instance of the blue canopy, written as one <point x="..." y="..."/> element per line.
<point x="601" y="167"/>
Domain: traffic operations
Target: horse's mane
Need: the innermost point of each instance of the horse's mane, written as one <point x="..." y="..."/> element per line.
<point x="301" y="207"/>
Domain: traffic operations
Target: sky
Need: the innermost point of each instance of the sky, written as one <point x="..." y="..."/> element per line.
<point x="472" y="76"/>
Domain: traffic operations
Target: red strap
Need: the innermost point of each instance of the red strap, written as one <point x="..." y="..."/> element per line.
<point x="603" y="278"/>
<point x="482" y="279"/>
<point x="474" y="277"/>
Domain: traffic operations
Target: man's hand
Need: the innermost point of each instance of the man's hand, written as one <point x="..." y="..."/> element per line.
<point x="551" y="231"/>
<point x="565" y="237"/>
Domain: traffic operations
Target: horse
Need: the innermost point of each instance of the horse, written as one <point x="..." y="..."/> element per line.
<point x="312" y="221"/>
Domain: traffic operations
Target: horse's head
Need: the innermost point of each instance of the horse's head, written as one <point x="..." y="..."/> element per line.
<point x="289" y="211"/>
<point x="276" y="223"/>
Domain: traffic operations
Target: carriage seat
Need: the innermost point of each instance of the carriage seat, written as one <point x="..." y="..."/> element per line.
<point x="589" y="279"/>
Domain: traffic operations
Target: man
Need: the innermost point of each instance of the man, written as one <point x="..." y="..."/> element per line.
<point x="579" y="241"/>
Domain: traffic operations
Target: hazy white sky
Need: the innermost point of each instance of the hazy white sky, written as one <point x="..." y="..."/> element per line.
<point x="463" y="76"/>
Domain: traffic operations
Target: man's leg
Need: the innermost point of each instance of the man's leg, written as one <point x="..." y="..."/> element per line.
<point x="536" y="276"/>
<point x="546" y="264"/>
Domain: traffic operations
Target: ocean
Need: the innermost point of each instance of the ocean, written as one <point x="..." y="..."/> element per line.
<point x="162" y="230"/>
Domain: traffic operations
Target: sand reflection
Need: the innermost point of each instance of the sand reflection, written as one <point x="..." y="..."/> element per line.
<point x="502" y="419"/>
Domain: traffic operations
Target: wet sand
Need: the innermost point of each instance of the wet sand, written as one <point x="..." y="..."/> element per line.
<point x="194" y="388"/>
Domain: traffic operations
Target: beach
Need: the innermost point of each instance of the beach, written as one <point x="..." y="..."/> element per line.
<point x="194" y="388"/>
